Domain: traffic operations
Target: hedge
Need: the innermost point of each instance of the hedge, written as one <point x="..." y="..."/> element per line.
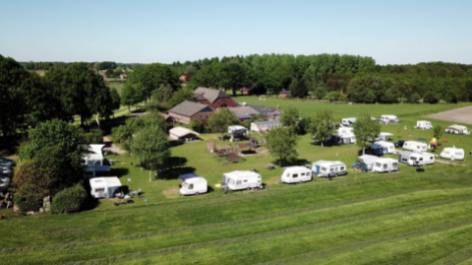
<point x="68" y="198"/>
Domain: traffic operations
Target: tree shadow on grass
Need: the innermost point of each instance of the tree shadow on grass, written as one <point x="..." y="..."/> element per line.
<point x="174" y="173"/>
<point x="118" y="172"/>
<point x="325" y="144"/>
<point x="297" y="162"/>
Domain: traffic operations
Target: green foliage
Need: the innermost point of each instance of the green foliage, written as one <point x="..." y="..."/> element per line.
<point x="333" y="96"/>
<point x="219" y="121"/>
<point x="303" y="126"/>
<point x="115" y="99"/>
<point x="109" y="73"/>
<point x="68" y="198"/>
<point x="321" y="124"/>
<point x="30" y="185"/>
<point x="181" y="96"/>
<point x="95" y="136"/>
<point x="151" y="146"/>
<point x="26" y="151"/>
<point x="320" y="92"/>
<point x="366" y="130"/>
<point x="196" y="125"/>
<point x="370" y="97"/>
<point x="298" y="88"/>
<point x="290" y="117"/>
<point x="254" y="118"/>
<point x="415" y="98"/>
<point x="128" y="96"/>
<point x="282" y="143"/>
<point x="106" y="65"/>
<point x="438" y="131"/>
<point x="41" y="105"/>
<point x="152" y="77"/>
<point x="430" y="98"/>
<point x="389" y="97"/>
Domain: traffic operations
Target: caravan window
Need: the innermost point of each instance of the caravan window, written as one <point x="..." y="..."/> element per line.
<point x="341" y="168"/>
<point x="238" y="182"/>
<point x="303" y="174"/>
<point x="245" y="180"/>
<point x="231" y="181"/>
<point x="331" y="169"/>
<point x="404" y="159"/>
<point x="190" y="187"/>
<point x="385" y="166"/>
<point x="323" y="169"/>
<point x="421" y="159"/>
<point x="412" y="158"/>
<point x="458" y="153"/>
<point x="446" y="153"/>
<point x="378" y="164"/>
<point x="295" y="176"/>
<point x="395" y="165"/>
<point x="431" y="158"/>
<point x="100" y="190"/>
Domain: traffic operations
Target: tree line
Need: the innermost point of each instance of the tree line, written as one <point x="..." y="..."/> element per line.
<point x="95" y="65"/>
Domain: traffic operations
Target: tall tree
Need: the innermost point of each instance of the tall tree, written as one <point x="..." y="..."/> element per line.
<point x="115" y="100"/>
<point x="298" y="88"/>
<point x="290" y="117"/>
<point x="235" y="76"/>
<point x="128" y="96"/>
<point x="181" y="96"/>
<point x="151" y="146"/>
<point x="152" y="76"/>
<point x="39" y="100"/>
<point x="282" y="143"/>
<point x="321" y="124"/>
<point x="365" y="130"/>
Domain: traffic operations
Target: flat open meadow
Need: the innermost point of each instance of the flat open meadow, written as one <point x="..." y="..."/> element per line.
<point x="362" y="218"/>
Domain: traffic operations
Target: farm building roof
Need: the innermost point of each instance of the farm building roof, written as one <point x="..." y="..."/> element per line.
<point x="243" y="111"/>
<point x="263" y="110"/>
<point x="189" y="108"/>
<point x="203" y="93"/>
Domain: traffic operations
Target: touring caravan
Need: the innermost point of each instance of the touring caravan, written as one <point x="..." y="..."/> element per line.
<point x="345" y="130"/>
<point x="264" y="126"/>
<point x="457" y="129"/>
<point x="452" y="153"/>
<point x="367" y="162"/>
<point x="389" y="146"/>
<point x="240" y="180"/>
<point x="385" y="165"/>
<point x="105" y="187"/>
<point x="343" y="138"/>
<point x="323" y="168"/>
<point x="238" y="131"/>
<point x="425" y="125"/>
<point x="389" y="118"/>
<point x="192" y="184"/>
<point x="383" y="136"/>
<point x="348" y="121"/>
<point x="411" y="158"/>
<point x="415" y="146"/>
<point x="296" y="174"/>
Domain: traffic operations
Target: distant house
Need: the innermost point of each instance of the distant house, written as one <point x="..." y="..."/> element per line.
<point x="214" y="98"/>
<point x="123" y="76"/>
<point x="243" y="112"/>
<point x="269" y="113"/>
<point x="185" y="78"/>
<point x="188" y="111"/>
<point x="284" y="93"/>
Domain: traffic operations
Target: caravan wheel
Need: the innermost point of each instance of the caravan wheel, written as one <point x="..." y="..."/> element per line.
<point x="197" y="194"/>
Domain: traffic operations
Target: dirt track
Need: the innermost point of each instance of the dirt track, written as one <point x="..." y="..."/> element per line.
<point x="462" y="115"/>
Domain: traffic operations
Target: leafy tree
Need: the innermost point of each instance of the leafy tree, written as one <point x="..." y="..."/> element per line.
<point x="30" y="185"/>
<point x="68" y="198"/>
<point x="298" y="88"/>
<point x="153" y="76"/>
<point x="430" y="98"/>
<point x="333" y="96"/>
<point x="109" y="73"/>
<point x="370" y="97"/>
<point x="115" y="100"/>
<point x="365" y="130"/>
<point x="321" y="124"/>
<point x="290" y="117"/>
<point x="438" y="131"/>
<point x="128" y="96"/>
<point x="39" y="100"/>
<point x="151" y="146"/>
<point x="219" y="122"/>
<point x="181" y="96"/>
<point x="282" y="143"/>
<point x="196" y="125"/>
<point x="320" y="92"/>
<point x="303" y="126"/>
<point x="414" y="98"/>
<point x="235" y="76"/>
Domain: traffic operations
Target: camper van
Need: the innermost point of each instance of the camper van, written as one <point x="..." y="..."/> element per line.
<point x="452" y="153"/>
<point x="415" y="146"/>
<point x="390" y="147"/>
<point x="345" y="130"/>
<point x="389" y="118"/>
<point x="348" y="121"/>
<point x="343" y="138"/>
<point x="385" y="165"/>
<point x="296" y="174"/>
<point x="425" y="125"/>
<point x="238" y="131"/>
<point x="105" y="187"/>
<point x="241" y="180"/>
<point x="367" y="162"/>
<point x="413" y="159"/>
<point x="323" y="168"/>
<point x="457" y="129"/>
<point x="192" y="184"/>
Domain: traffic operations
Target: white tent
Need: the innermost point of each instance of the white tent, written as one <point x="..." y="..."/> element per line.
<point x="240" y="180"/>
<point x="323" y="168"/>
<point x="182" y="134"/>
<point x="296" y="174"/>
<point x="104" y="187"/>
<point x="457" y="129"/>
<point x="389" y="146"/>
<point x="413" y="158"/>
<point x="385" y="165"/>
<point x="452" y="153"/>
<point x="367" y="162"/>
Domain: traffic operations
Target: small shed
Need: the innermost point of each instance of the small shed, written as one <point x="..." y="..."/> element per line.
<point x="104" y="187"/>
<point x="385" y="165"/>
<point x="284" y="93"/>
<point x="324" y="168"/>
<point x="183" y="134"/>
<point x="264" y="126"/>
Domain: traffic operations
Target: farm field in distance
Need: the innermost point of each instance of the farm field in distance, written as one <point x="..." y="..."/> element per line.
<point x="362" y="218"/>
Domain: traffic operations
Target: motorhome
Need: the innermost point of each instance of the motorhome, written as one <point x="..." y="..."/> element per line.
<point x="238" y="131"/>
<point x="323" y="168"/>
<point x="240" y="180"/>
<point x="105" y="187"/>
<point x="413" y="158"/>
<point x="389" y="118"/>
<point x="415" y="146"/>
<point x="457" y="129"/>
<point x="348" y="121"/>
<point x="296" y="174"/>
<point x="192" y="184"/>
<point x="345" y="130"/>
<point x="424" y="125"/>
<point x="343" y="138"/>
<point x="452" y="153"/>
<point x="389" y="146"/>
<point x="385" y="165"/>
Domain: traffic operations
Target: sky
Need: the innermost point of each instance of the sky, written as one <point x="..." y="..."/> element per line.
<point x="391" y="32"/>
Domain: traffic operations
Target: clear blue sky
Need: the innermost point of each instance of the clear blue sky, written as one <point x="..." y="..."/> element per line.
<point x="392" y="32"/>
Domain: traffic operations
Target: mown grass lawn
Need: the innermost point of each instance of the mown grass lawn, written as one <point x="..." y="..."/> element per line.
<point x="394" y="218"/>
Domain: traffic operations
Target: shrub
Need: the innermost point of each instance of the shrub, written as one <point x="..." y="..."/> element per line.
<point x="415" y="98"/>
<point x="68" y="198"/>
<point x="95" y="136"/>
<point x="438" y="131"/>
<point x="332" y="96"/>
<point x="370" y="97"/>
<point x="430" y="98"/>
<point x="196" y="125"/>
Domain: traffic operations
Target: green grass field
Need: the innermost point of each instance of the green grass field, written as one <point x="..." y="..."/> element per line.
<point x="116" y="85"/>
<point x="365" y="218"/>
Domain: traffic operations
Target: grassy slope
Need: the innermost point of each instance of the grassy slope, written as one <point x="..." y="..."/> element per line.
<point x="363" y="218"/>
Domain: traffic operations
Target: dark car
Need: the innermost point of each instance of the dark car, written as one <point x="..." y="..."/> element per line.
<point x="399" y="143"/>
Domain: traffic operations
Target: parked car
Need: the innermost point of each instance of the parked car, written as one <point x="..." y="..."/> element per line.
<point x="399" y="143"/>
<point x="6" y="162"/>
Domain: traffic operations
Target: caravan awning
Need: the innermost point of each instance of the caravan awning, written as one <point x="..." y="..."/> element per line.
<point x="188" y="176"/>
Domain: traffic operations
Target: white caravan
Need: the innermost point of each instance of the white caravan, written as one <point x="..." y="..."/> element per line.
<point x="264" y="126"/>
<point x="105" y="187"/>
<point x="345" y="130"/>
<point x="411" y="158"/>
<point x="240" y="180"/>
<point x="323" y="168"/>
<point x="238" y="131"/>
<point x="389" y="146"/>
<point x="367" y="162"/>
<point x="296" y="174"/>
<point x="348" y="121"/>
<point x="452" y="153"/>
<point x="389" y="118"/>
<point x="425" y="125"/>
<point x="385" y="165"/>
<point x="415" y="146"/>
<point x="193" y="184"/>
<point x="383" y="136"/>
<point x="344" y="138"/>
<point x="457" y="129"/>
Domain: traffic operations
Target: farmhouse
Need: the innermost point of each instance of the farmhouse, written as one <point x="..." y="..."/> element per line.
<point x="182" y="134"/>
<point x="188" y="111"/>
<point x="284" y="93"/>
<point x="214" y="98"/>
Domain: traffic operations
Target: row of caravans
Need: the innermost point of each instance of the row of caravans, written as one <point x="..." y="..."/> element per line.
<point x="377" y="164"/>
<point x="384" y="118"/>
